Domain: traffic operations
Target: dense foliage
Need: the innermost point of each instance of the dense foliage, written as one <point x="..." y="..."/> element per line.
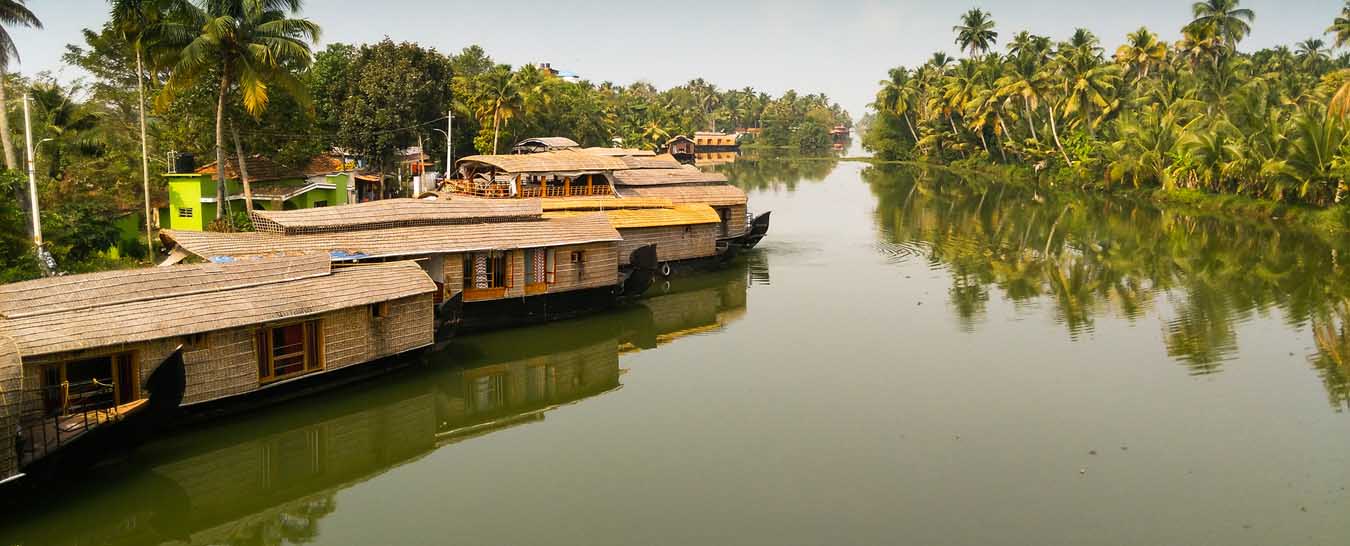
<point x="227" y="77"/>
<point x="1197" y="114"/>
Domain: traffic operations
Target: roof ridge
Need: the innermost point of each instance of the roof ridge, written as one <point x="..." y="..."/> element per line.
<point x="207" y="290"/>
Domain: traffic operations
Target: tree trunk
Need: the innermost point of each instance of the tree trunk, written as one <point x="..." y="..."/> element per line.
<point x="1055" y="132"/>
<point x="220" y="148"/>
<point x="911" y="128"/>
<point x="999" y="140"/>
<point x="1031" y="118"/>
<point x="11" y="162"/>
<point x="145" y="159"/>
<point x="496" y="127"/>
<point x="243" y="168"/>
<point x="956" y="134"/>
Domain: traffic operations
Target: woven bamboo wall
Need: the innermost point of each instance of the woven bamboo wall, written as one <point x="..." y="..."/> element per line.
<point x="11" y="383"/>
<point x="736" y="223"/>
<point x="672" y="242"/>
<point x="227" y="364"/>
<point x="600" y="268"/>
<point x="353" y="336"/>
<point x="454" y="274"/>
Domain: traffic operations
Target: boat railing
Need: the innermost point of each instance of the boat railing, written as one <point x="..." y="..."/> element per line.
<point x="55" y="415"/>
<point x="503" y="191"/>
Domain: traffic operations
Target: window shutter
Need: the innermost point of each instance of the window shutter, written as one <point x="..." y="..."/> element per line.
<point x="551" y="266"/>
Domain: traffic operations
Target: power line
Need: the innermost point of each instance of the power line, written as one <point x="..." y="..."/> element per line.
<point x="329" y="135"/>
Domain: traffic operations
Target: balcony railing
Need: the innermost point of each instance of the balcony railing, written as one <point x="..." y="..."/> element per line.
<point x="58" y="414"/>
<point x="503" y="191"/>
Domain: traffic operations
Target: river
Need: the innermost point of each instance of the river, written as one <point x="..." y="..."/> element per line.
<point x="910" y="357"/>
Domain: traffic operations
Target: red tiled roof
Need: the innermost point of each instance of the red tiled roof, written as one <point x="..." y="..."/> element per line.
<point x="260" y="169"/>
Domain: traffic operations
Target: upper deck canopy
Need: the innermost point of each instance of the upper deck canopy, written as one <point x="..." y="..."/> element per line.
<point x="394" y="213"/>
<point x="561" y="161"/>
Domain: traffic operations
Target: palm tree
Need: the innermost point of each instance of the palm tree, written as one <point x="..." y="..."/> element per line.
<point x="898" y="95"/>
<point x="138" y="21"/>
<point x="1025" y="78"/>
<point x="249" y="45"/>
<point x="1229" y="22"/>
<point x="12" y="12"/>
<point x="498" y="94"/>
<point x="1141" y="51"/>
<point x="976" y="32"/>
<point x="1312" y="52"/>
<point x="1341" y="26"/>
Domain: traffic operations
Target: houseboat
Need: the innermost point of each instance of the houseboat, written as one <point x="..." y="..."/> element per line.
<point x="693" y="217"/>
<point x="681" y="148"/>
<point x="81" y="354"/>
<point x="494" y="263"/>
<point x="709" y="141"/>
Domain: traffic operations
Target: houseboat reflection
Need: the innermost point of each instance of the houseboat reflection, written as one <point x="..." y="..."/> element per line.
<point x="271" y="477"/>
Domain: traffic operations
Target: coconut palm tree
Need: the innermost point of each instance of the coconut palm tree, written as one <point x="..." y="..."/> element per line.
<point x="248" y="46"/>
<point x="1228" y="21"/>
<point x="976" y="32"/>
<point x="139" y="23"/>
<point x="1341" y="26"/>
<point x="1141" y="51"/>
<point x="898" y="95"/>
<point x="1312" y="53"/>
<point x="12" y="13"/>
<point x="499" y="95"/>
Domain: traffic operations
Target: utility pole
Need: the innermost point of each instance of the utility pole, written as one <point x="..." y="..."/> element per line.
<point x="32" y="177"/>
<point x="449" y="142"/>
<point x="44" y="259"/>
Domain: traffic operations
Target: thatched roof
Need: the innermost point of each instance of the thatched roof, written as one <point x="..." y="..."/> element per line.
<point x="678" y="138"/>
<point x="260" y="169"/>
<point x="619" y="152"/>
<point x="179" y="312"/>
<point x="714" y="194"/>
<point x="679" y="174"/>
<point x="548" y="143"/>
<point x="607" y="202"/>
<point x="398" y="241"/>
<point x="677" y="215"/>
<point x="663" y="161"/>
<point x="544" y="162"/>
<point x="91" y="290"/>
<point x="395" y="213"/>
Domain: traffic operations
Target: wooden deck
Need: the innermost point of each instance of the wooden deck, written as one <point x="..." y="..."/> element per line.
<point x="45" y="436"/>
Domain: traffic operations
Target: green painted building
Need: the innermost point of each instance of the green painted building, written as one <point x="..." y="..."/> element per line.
<point x="192" y="197"/>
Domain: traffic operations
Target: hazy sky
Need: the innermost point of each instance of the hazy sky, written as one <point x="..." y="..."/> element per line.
<point x="840" y="48"/>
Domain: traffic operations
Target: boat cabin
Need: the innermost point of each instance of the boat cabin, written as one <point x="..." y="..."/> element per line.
<point x="474" y="250"/>
<point x="83" y="351"/>
<point x="612" y="181"/>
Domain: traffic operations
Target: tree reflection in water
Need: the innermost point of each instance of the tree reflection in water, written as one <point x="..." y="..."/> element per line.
<point x="1092" y="255"/>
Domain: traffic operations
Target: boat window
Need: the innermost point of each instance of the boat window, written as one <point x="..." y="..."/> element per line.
<point x="89" y="384"/>
<point x="536" y="266"/>
<point x="486" y="269"/>
<point x="288" y="351"/>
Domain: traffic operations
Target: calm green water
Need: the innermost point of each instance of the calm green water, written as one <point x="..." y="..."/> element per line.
<point x="909" y="358"/>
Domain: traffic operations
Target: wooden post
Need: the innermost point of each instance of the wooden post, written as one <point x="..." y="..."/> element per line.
<point x="589" y="182"/>
<point x="567" y="186"/>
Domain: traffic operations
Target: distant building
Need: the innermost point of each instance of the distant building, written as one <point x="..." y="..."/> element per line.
<point x="325" y="181"/>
